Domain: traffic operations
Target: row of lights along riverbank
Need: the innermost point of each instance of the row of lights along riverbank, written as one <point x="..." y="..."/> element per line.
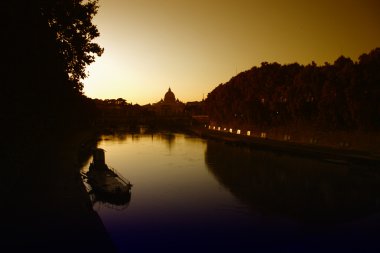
<point x="237" y="131"/>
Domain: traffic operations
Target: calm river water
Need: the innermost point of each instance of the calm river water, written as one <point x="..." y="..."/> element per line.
<point x="196" y="195"/>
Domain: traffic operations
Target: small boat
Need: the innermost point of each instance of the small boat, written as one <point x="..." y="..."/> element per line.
<point x="106" y="183"/>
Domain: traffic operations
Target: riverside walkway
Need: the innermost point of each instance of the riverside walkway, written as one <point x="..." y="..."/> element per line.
<point x="329" y="154"/>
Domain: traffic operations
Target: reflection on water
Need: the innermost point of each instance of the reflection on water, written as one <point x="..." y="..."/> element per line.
<point x="306" y="190"/>
<point x="193" y="195"/>
<point x="169" y="138"/>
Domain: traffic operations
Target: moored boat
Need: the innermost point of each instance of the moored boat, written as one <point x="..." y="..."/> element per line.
<point x="106" y="183"/>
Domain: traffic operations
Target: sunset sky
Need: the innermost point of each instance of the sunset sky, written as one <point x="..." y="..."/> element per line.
<point x="193" y="46"/>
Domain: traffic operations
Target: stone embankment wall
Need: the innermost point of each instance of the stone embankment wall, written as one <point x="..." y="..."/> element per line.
<point x="345" y="140"/>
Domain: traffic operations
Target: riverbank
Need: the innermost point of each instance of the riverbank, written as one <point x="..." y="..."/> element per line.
<point x="326" y="153"/>
<point x="46" y="206"/>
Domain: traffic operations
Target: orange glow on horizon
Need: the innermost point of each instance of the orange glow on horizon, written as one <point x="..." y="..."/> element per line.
<point x="193" y="46"/>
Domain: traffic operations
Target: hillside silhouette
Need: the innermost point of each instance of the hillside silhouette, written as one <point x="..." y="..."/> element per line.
<point x="340" y="96"/>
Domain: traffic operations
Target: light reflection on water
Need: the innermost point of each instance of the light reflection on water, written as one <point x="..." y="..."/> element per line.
<point x="193" y="195"/>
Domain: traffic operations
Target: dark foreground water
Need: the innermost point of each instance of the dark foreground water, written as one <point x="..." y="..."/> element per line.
<point x="194" y="195"/>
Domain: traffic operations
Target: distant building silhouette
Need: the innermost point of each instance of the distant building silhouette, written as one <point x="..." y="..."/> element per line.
<point x="169" y="106"/>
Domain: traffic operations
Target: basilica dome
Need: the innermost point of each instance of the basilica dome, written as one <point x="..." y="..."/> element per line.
<point x="169" y="97"/>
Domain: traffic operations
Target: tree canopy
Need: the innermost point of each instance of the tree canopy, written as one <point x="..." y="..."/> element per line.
<point x="71" y="23"/>
<point x="343" y="95"/>
<point x="48" y="44"/>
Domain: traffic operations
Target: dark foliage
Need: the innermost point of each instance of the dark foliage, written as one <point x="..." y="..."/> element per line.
<point x="48" y="44"/>
<point x="71" y="23"/>
<point x="345" y="95"/>
<point x="42" y="109"/>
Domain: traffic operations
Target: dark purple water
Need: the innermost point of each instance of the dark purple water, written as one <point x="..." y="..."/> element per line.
<point x="194" y="195"/>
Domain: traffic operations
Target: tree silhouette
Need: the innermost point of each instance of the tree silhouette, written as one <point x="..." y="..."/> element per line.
<point x="48" y="44"/>
<point x="344" y="95"/>
<point x="71" y="22"/>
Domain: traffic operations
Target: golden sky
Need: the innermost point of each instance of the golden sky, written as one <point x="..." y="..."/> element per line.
<point x="194" y="45"/>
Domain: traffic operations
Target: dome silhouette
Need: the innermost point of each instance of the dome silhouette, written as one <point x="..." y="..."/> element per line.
<point x="169" y="106"/>
<point x="169" y="97"/>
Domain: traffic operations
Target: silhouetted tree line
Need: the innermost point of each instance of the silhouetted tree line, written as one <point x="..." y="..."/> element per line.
<point x="48" y="44"/>
<point x="118" y="112"/>
<point x="344" y="95"/>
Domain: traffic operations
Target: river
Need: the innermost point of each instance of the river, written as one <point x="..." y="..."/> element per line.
<point x="195" y="195"/>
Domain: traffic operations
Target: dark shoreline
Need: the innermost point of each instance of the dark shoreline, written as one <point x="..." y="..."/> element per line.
<point x="305" y="150"/>
<point x="46" y="207"/>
